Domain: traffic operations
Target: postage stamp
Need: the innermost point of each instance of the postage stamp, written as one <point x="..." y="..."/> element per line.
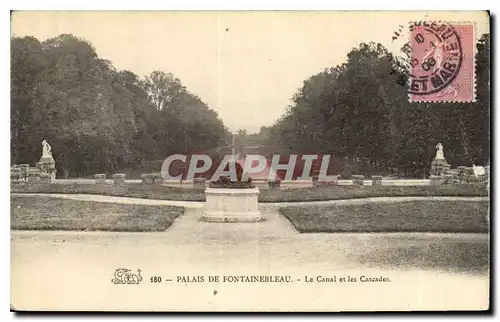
<point x="442" y="64"/>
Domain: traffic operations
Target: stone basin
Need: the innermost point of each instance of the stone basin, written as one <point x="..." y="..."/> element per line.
<point x="229" y="205"/>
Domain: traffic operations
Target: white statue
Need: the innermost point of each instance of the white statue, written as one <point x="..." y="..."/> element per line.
<point x="478" y="170"/>
<point x="233" y="146"/>
<point x="439" y="152"/>
<point x="46" y="149"/>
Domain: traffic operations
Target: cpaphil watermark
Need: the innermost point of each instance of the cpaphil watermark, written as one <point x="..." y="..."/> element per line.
<point x="179" y="167"/>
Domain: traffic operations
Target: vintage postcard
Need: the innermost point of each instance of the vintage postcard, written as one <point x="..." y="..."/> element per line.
<point x="232" y="161"/>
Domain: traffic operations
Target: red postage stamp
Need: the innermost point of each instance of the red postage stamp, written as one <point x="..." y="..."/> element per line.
<point x="442" y="63"/>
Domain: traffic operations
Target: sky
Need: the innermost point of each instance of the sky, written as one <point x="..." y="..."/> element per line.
<point x="244" y="65"/>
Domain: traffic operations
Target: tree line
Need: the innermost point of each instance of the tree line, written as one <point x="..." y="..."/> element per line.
<point x="359" y="112"/>
<point x="98" y="118"/>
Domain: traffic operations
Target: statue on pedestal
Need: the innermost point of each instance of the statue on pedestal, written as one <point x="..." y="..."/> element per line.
<point x="439" y="152"/>
<point x="47" y="165"/>
<point x="46" y="149"/>
<point x="439" y="165"/>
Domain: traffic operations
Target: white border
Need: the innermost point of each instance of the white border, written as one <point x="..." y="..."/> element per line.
<point x="248" y="5"/>
<point x="187" y="5"/>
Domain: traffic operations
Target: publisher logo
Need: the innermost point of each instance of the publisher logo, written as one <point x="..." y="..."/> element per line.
<point x="125" y="276"/>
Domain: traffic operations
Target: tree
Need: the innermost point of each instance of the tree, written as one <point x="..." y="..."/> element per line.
<point x="163" y="88"/>
<point x="359" y="111"/>
<point x="26" y="66"/>
<point x="479" y="123"/>
<point x="345" y="110"/>
<point x="96" y="117"/>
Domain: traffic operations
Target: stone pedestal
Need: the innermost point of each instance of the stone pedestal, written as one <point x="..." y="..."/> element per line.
<point x="119" y="179"/>
<point x="315" y="178"/>
<point x="358" y="180"/>
<point x="47" y="167"/>
<point x="152" y="178"/>
<point x="273" y="184"/>
<point x="44" y="177"/>
<point x="199" y="183"/>
<point x="435" y="180"/>
<point x="439" y="167"/>
<point x="100" y="178"/>
<point x="171" y="183"/>
<point x="231" y="205"/>
<point x="331" y="181"/>
<point x="447" y="179"/>
<point x="377" y="181"/>
<point x="157" y="178"/>
<point x="463" y="173"/>
<point x="15" y="173"/>
<point x="24" y="171"/>
<point x="262" y="184"/>
<point x="147" y="178"/>
<point x="296" y="184"/>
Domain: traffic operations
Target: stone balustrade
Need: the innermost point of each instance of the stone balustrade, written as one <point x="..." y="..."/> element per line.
<point x="100" y="178"/>
<point x="25" y="173"/>
<point x="147" y="178"/>
<point x="119" y="178"/>
<point x="273" y="184"/>
<point x="358" y="180"/>
<point x="331" y="181"/>
<point x="152" y="178"/>
<point x="376" y="180"/>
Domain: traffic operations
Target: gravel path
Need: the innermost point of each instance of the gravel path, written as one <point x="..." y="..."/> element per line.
<point x="113" y="199"/>
<point x="199" y="204"/>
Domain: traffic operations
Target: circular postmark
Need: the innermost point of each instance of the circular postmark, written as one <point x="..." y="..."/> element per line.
<point x="434" y="55"/>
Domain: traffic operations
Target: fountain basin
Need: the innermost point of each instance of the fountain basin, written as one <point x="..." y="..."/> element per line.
<point x="231" y="205"/>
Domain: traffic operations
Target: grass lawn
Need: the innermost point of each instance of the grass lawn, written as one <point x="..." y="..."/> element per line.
<point x="412" y="216"/>
<point x="353" y="192"/>
<point x="273" y="195"/>
<point x="133" y="190"/>
<point x="44" y="213"/>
